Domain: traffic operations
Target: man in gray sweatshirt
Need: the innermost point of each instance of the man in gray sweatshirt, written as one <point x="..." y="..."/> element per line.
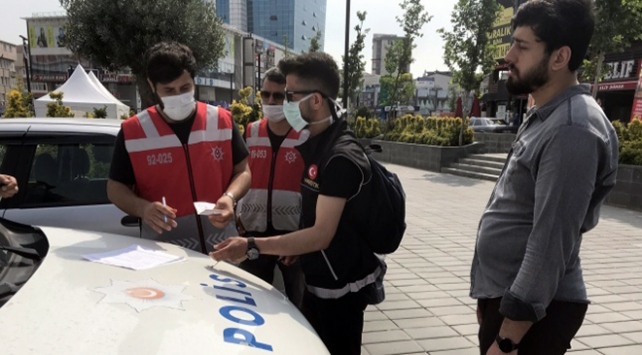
<point x="526" y="272"/>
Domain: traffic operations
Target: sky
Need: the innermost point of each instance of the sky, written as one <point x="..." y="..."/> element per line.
<point x="380" y="18"/>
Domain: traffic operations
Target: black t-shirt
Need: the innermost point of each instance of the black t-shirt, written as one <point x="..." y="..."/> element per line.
<point x="275" y="139"/>
<point x="341" y="178"/>
<point x="121" y="169"/>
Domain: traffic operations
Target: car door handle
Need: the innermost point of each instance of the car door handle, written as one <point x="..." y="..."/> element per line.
<point x="130" y="221"/>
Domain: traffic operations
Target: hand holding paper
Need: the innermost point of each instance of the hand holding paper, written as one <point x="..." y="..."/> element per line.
<point x="206" y="209"/>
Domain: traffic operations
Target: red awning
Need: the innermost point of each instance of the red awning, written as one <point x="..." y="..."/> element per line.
<point x="617" y="86"/>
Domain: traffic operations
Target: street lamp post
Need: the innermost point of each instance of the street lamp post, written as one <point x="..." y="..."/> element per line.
<point x="345" y="57"/>
<point x="26" y="61"/>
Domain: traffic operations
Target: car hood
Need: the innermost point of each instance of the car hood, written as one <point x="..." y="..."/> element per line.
<point x="197" y="306"/>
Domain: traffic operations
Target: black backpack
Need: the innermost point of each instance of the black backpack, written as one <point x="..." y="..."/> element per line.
<point x="385" y="223"/>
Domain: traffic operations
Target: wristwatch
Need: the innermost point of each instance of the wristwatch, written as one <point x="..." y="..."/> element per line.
<point x="230" y="195"/>
<point x="252" y="252"/>
<point x="506" y="345"/>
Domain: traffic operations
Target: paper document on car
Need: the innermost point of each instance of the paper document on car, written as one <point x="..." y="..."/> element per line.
<point x="134" y="257"/>
<point x="206" y="208"/>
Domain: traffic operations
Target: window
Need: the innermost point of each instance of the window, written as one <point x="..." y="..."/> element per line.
<point x="3" y="150"/>
<point x="69" y="174"/>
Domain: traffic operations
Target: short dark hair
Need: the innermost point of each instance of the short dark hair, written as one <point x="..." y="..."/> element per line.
<point x="318" y="68"/>
<point x="165" y="62"/>
<point x="274" y="75"/>
<point x="560" y="23"/>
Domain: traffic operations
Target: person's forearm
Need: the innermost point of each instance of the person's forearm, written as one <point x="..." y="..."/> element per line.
<point x="240" y="183"/>
<point x="296" y="243"/>
<point x="124" y="198"/>
<point x="514" y="330"/>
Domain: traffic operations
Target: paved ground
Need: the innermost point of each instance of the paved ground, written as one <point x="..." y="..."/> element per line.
<point x="428" y="310"/>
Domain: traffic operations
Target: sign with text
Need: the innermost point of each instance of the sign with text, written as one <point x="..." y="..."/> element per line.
<point x="636" y="112"/>
<point x="620" y="70"/>
<point x="500" y="35"/>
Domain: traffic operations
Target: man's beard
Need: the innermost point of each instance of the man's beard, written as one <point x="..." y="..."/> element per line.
<point x="531" y="81"/>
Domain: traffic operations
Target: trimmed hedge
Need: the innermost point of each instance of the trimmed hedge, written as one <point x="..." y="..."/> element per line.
<point x="630" y="141"/>
<point x="366" y="127"/>
<point x="440" y="131"/>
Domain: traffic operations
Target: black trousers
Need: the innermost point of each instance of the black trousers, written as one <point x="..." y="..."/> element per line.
<point x="293" y="279"/>
<point x="550" y="336"/>
<point x="339" y="322"/>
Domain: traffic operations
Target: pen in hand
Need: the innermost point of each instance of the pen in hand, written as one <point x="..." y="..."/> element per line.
<point x="165" y="205"/>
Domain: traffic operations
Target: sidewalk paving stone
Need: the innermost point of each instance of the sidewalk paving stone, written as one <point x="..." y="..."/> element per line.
<point x="393" y="348"/>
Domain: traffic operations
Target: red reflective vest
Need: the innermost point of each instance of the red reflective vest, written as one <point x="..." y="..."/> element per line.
<point x="275" y="193"/>
<point x="198" y="171"/>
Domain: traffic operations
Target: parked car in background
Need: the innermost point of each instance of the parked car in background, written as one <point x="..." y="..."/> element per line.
<point x="490" y="125"/>
<point x="52" y="301"/>
<point x="62" y="166"/>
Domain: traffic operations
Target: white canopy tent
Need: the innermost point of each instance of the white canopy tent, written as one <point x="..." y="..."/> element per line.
<point x="82" y="94"/>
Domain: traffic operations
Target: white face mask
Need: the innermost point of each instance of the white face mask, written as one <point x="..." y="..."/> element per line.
<point x="293" y="114"/>
<point x="274" y="113"/>
<point x="179" y="107"/>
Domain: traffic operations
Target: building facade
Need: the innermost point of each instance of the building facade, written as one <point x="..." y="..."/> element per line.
<point x="8" y="57"/>
<point x="291" y="23"/>
<point x="433" y="93"/>
<point x="380" y="45"/>
<point x="496" y="99"/>
<point x="246" y="57"/>
<point x="616" y="91"/>
<point x="51" y="62"/>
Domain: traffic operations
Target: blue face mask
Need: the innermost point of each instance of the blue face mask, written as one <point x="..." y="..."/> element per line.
<point x="292" y="113"/>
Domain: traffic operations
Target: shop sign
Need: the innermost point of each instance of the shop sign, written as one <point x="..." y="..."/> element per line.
<point x="500" y="35"/>
<point x="48" y="78"/>
<point x="620" y="70"/>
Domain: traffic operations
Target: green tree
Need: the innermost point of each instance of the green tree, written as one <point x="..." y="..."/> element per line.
<point x="617" y="26"/>
<point x="395" y="89"/>
<point x="468" y="52"/>
<point x="19" y="103"/>
<point x="315" y="46"/>
<point x="58" y="108"/>
<point x="116" y="34"/>
<point x="100" y="112"/>
<point x="400" y="52"/>
<point x="356" y="64"/>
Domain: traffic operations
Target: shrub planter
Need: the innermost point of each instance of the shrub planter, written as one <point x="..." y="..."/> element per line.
<point x="627" y="192"/>
<point x="495" y="142"/>
<point x="420" y="156"/>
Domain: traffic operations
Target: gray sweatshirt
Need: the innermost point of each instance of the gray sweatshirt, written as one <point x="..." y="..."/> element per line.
<point x="560" y="169"/>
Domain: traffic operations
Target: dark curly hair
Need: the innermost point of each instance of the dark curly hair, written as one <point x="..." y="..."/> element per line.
<point x="317" y="68"/>
<point x="165" y="62"/>
<point x="560" y="23"/>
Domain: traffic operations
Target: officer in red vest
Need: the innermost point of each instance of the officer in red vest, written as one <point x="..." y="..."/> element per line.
<point x="273" y="204"/>
<point x="176" y="153"/>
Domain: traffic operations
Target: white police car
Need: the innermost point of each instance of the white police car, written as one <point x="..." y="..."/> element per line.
<point x="62" y="166"/>
<point x="52" y="301"/>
